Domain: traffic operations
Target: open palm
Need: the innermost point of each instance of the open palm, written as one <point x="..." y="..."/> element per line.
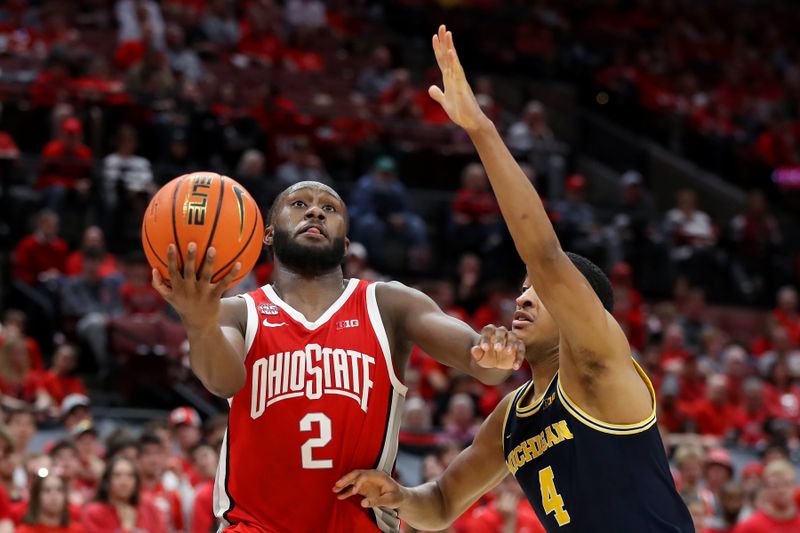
<point x="457" y="99"/>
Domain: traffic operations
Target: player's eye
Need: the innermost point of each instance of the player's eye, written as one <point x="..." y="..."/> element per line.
<point x="329" y="208"/>
<point x="298" y="203"/>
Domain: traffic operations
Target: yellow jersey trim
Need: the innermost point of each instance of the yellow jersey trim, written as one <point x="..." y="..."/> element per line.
<point x="605" y="427"/>
<point x="511" y="401"/>
<point x="534" y="406"/>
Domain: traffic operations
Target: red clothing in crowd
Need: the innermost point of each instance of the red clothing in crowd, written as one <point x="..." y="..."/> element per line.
<point x="426" y="366"/>
<point x="102" y="518"/>
<point x="74" y="264"/>
<point x="26" y="390"/>
<point x="6" y="511"/>
<point x="141" y="299"/>
<point x="34" y="352"/>
<point x="168" y="503"/>
<point x="476" y="205"/>
<point x="713" y="419"/>
<point x="72" y="528"/>
<point x="761" y="523"/>
<point x="63" y="166"/>
<point x="59" y="387"/>
<point x="792" y="325"/>
<point x="782" y="403"/>
<point x="751" y="426"/>
<point x="203" y="520"/>
<point x="32" y="257"/>
<point x="488" y="519"/>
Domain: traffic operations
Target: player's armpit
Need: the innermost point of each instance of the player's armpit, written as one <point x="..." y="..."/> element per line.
<point x="415" y="318"/>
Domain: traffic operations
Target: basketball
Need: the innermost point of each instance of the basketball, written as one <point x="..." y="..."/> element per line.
<point x="209" y="210"/>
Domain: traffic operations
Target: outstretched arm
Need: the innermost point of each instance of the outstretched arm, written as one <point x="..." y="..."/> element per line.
<point x="436" y="504"/>
<point x="417" y="319"/>
<point x="591" y="340"/>
<point x="214" y="327"/>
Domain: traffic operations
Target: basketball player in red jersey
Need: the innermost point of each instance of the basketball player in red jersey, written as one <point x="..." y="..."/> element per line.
<point x="312" y="366"/>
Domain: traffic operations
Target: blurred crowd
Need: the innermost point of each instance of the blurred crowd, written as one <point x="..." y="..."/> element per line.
<point x="105" y="101"/>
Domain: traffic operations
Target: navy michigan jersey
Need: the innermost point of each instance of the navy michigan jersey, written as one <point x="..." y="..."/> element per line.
<point x="586" y="476"/>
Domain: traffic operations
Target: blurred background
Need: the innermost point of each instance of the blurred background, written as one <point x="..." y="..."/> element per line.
<point x="663" y="134"/>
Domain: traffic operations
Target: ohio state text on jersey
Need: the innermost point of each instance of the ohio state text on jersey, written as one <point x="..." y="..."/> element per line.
<point x="321" y="399"/>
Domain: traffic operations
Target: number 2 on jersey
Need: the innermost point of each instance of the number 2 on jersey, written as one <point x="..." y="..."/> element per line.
<point x="551" y="499"/>
<point x="316" y="442"/>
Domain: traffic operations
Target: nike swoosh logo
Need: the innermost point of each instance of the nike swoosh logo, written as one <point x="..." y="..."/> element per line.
<point x="273" y="325"/>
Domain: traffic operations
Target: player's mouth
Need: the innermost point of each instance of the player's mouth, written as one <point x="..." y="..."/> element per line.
<point x="521" y="320"/>
<point x="314" y="231"/>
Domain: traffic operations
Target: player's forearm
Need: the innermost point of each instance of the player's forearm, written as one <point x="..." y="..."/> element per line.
<point x="425" y="507"/>
<point x="215" y="361"/>
<point x="519" y="202"/>
<point x="487" y="376"/>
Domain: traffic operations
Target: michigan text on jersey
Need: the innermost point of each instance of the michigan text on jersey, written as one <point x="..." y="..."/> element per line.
<point x="311" y="372"/>
<point x="532" y="448"/>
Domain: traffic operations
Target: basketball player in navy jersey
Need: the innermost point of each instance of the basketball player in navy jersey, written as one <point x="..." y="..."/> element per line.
<point x="312" y="365"/>
<point x="581" y="436"/>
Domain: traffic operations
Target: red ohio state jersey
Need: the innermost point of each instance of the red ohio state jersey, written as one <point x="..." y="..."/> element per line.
<point x="321" y="399"/>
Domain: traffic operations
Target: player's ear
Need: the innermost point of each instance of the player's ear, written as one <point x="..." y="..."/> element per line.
<point x="346" y="246"/>
<point x="269" y="235"/>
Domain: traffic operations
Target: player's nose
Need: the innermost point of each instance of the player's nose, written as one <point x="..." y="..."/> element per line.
<point x="315" y="211"/>
<point x="523" y="301"/>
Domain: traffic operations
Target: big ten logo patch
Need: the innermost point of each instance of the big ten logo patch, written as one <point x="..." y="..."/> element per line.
<point x="344" y="324"/>
<point x="197" y="203"/>
<point x="268" y="309"/>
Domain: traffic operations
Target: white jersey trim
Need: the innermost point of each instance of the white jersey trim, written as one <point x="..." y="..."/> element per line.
<point x="222" y="502"/>
<point x="252" y="324"/>
<point x="298" y="316"/>
<point x="380" y="332"/>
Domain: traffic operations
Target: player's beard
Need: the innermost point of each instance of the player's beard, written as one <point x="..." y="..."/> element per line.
<point x="308" y="261"/>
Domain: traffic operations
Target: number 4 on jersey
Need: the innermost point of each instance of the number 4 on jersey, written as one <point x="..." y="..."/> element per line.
<point x="551" y="499"/>
<point x="316" y="442"/>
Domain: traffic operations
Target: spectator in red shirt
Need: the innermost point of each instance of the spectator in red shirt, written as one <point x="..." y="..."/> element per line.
<point x="259" y="41"/>
<point x="19" y="384"/>
<point x="66" y="166"/>
<point x="119" y="505"/>
<point x="781" y="395"/>
<point x="673" y="346"/>
<point x="787" y="313"/>
<point x="93" y="238"/>
<point x="137" y="293"/>
<point x="628" y="309"/>
<point x="778" y="512"/>
<point x="690" y="459"/>
<point x="714" y="414"/>
<point x="61" y="381"/>
<point x="476" y="223"/>
<point x="509" y="511"/>
<point x="48" y="509"/>
<point x="42" y="255"/>
<point x="14" y="324"/>
<point x="753" y="414"/>
<point x="185" y="423"/>
<point x="204" y="460"/>
<point x="671" y="413"/>
<point x="152" y="460"/>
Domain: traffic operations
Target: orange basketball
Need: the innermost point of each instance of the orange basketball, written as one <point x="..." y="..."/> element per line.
<point x="209" y="210"/>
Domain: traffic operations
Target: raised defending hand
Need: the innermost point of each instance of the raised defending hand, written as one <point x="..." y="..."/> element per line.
<point x="377" y="488"/>
<point x="498" y="348"/>
<point x="457" y="99"/>
<point x="196" y="299"/>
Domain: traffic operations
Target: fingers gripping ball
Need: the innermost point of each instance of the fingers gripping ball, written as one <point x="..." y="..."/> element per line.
<point x="209" y="210"/>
